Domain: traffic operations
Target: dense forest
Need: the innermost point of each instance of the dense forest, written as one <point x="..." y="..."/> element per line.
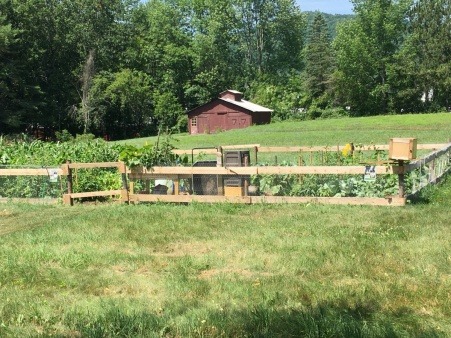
<point x="127" y="67"/>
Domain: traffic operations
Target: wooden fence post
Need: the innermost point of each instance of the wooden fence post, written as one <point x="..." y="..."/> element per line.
<point x="401" y="179"/>
<point x="69" y="200"/>
<point x="256" y="155"/>
<point x="125" y="196"/>
<point x="219" y="163"/>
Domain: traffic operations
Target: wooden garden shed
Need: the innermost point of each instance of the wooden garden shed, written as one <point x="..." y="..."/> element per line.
<point x="228" y="111"/>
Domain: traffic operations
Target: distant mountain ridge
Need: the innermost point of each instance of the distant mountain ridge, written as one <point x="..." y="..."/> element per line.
<point x="331" y="19"/>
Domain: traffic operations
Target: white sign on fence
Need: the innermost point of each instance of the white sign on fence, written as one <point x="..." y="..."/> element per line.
<point x="370" y="173"/>
<point x="53" y="175"/>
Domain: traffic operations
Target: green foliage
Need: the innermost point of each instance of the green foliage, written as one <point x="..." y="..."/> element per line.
<point x="283" y="98"/>
<point x="125" y="68"/>
<point x="37" y="154"/>
<point x="158" y="154"/>
<point x="365" y="47"/>
<point x="122" y="103"/>
<point x="63" y="136"/>
<point x="319" y="63"/>
<point x="427" y="52"/>
<point x="168" y="111"/>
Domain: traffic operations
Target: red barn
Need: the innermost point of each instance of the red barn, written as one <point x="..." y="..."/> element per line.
<point x="229" y="111"/>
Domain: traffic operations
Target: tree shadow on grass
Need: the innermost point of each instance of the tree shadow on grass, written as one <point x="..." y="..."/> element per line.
<point x="323" y="320"/>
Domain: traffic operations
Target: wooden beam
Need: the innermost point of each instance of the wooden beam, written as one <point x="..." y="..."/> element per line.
<point x="189" y="198"/>
<point x="294" y="149"/>
<point x="30" y="172"/>
<point x="172" y="172"/>
<point x="195" y="151"/>
<point x="389" y="201"/>
<point x="95" y="193"/>
<point x="241" y="146"/>
<point x="323" y="170"/>
<point x="95" y="165"/>
<point x="428" y="158"/>
<point x="164" y="171"/>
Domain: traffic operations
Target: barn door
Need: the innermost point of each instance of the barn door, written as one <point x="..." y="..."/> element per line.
<point x="202" y="124"/>
<point x="244" y="122"/>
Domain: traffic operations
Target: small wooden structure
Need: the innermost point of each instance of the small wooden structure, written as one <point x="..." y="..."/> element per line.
<point x="229" y="111"/>
<point x="404" y="149"/>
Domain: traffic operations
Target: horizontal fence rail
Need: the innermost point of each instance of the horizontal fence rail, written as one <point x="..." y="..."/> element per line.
<point x="294" y="149"/>
<point x="264" y="170"/>
<point x="31" y="172"/>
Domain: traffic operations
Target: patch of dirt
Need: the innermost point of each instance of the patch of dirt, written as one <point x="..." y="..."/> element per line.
<point x="184" y="249"/>
<point x="5" y="213"/>
<point x="208" y="274"/>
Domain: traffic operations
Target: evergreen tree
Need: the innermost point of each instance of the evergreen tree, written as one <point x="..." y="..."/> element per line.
<point x="318" y="62"/>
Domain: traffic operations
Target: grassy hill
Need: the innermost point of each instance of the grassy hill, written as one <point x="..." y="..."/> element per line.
<point x="427" y="128"/>
<point x="228" y="270"/>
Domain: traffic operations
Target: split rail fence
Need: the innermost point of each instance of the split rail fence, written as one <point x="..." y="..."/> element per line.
<point x="136" y="182"/>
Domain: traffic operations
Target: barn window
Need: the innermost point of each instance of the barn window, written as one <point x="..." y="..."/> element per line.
<point x="194" y="122"/>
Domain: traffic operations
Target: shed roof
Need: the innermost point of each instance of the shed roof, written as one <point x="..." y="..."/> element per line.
<point x="231" y="91"/>
<point x="253" y="107"/>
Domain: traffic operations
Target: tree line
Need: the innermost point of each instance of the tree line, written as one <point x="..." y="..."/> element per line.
<point x="127" y="68"/>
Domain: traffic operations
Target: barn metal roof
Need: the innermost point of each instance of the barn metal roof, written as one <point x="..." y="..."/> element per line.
<point x="247" y="105"/>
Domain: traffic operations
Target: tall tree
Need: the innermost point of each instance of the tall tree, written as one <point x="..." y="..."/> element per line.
<point x="121" y="103"/>
<point x="55" y="38"/>
<point x="430" y="28"/>
<point x="318" y="62"/>
<point x="365" y="48"/>
<point x="271" y="35"/>
<point x="216" y="59"/>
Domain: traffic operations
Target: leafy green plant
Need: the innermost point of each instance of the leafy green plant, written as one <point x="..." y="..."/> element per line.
<point x="151" y="155"/>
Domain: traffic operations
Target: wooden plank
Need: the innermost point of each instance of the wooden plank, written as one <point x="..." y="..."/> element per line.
<point x="122" y="167"/>
<point x="428" y="158"/>
<point x="30" y="172"/>
<point x="67" y="199"/>
<point x="168" y="172"/>
<point x="293" y="149"/>
<point x="322" y="170"/>
<point x="195" y="151"/>
<point x="241" y="146"/>
<point x="95" y="193"/>
<point x="152" y="176"/>
<point x="431" y="146"/>
<point x="95" y="165"/>
<point x="189" y="199"/>
<point x="389" y="201"/>
<point x="162" y="171"/>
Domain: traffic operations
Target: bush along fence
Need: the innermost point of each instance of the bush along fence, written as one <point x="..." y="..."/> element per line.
<point x="235" y="175"/>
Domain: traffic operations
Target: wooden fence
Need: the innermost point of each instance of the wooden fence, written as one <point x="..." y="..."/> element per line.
<point x="437" y="162"/>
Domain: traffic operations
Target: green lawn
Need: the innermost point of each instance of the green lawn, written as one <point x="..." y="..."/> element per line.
<point x="427" y="128"/>
<point x="226" y="270"/>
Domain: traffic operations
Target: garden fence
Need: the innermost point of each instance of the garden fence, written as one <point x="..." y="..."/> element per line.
<point x="357" y="179"/>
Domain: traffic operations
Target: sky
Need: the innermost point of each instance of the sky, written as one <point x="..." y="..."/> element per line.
<point x="326" y="6"/>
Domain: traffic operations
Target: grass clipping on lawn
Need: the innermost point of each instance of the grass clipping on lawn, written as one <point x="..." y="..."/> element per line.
<point x="226" y="270"/>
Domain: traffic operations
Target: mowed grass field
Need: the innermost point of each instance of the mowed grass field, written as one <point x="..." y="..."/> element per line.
<point x="157" y="270"/>
<point x="427" y="128"/>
